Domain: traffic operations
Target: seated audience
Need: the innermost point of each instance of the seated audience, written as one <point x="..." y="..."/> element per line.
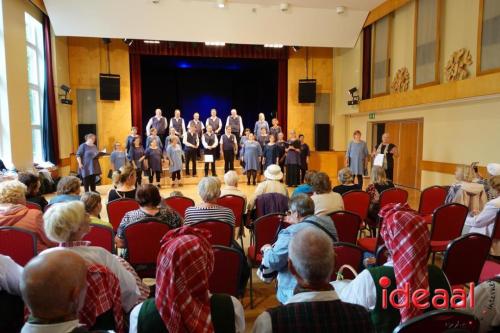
<point x="14" y="213"/>
<point x="325" y="201"/>
<point x="379" y="183"/>
<point x="466" y="192"/>
<point x="483" y="222"/>
<point x="68" y="189"/>
<point x="493" y="169"/>
<point x="182" y="300"/>
<point x="93" y="207"/>
<point x="10" y="274"/>
<point x="315" y="305"/>
<point x="346" y="180"/>
<point x="124" y="179"/>
<point x="149" y="199"/>
<point x="33" y="184"/>
<point x="407" y="238"/>
<point x="306" y="188"/>
<point x="487" y="305"/>
<point x="209" y="191"/>
<point x="275" y="257"/>
<point x="272" y="184"/>
<point x="176" y="194"/>
<point x="67" y="223"/>
<point x="53" y="286"/>
<point x="231" y="186"/>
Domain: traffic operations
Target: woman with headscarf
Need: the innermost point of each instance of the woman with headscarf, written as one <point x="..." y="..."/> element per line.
<point x="406" y="237"/>
<point x="182" y="300"/>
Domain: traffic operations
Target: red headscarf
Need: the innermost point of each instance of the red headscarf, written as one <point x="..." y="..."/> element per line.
<point x="185" y="263"/>
<point x="407" y="238"/>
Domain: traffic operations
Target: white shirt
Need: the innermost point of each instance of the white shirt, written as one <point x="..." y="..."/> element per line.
<point x="327" y="203"/>
<point x="10" y="275"/>
<point x="239" y="317"/>
<point x="150" y="123"/>
<point x="484" y="222"/>
<point x="63" y="327"/>
<point x="263" y="323"/>
<point x="487" y="305"/>
<point x="130" y="292"/>
<point x="186" y="143"/>
<point x="241" y="123"/>
<point x="204" y="142"/>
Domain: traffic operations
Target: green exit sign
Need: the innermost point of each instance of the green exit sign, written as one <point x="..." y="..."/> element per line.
<point x="371" y="115"/>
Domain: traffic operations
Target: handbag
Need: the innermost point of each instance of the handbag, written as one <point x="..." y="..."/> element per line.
<point x="341" y="283"/>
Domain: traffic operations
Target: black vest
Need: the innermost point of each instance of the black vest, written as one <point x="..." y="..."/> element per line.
<point x="160" y="125"/>
<point x="197" y="126"/>
<point x="235" y="124"/>
<point x="191" y="138"/>
<point x="209" y="139"/>
<point x="177" y="124"/>
<point x="228" y="143"/>
<point x="214" y="123"/>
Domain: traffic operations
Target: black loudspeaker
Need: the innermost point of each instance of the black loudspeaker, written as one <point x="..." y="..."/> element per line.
<point x="84" y="129"/>
<point x="110" y="87"/>
<point x="322" y="137"/>
<point x="307" y="91"/>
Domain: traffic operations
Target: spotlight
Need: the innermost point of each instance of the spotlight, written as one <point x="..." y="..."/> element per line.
<point x="65" y="88"/>
<point x="296" y="48"/>
<point x="65" y="99"/>
<point x="354" y="95"/>
<point x="352" y="91"/>
<point x="128" y="41"/>
<point x="276" y="46"/>
<point x="221" y="3"/>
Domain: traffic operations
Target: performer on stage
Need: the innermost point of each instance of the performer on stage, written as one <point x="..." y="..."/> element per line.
<point x="304" y="157"/>
<point x="259" y="124"/>
<point x="275" y="129"/>
<point x="160" y="123"/>
<point x="191" y="144"/>
<point x="236" y="123"/>
<point x="270" y="153"/>
<point x="199" y="127"/>
<point x="292" y="160"/>
<point x="178" y="124"/>
<point x="154" y="137"/>
<point x="262" y="139"/>
<point x="174" y="155"/>
<point x="216" y="124"/>
<point x="281" y="146"/>
<point x="87" y="156"/>
<point x="154" y="156"/>
<point x="136" y="156"/>
<point x="252" y="155"/>
<point x="356" y="157"/>
<point x="228" y="147"/>
<point x="390" y="151"/>
<point x="210" y="143"/>
<point x="169" y="138"/>
<point x="130" y="138"/>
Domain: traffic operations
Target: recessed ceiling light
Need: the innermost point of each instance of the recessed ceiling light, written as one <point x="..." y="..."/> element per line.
<point x="215" y="43"/>
<point x="221" y="3"/>
<point x="276" y="46"/>
<point x="152" y="42"/>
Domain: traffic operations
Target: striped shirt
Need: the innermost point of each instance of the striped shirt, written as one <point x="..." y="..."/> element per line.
<point x="215" y="212"/>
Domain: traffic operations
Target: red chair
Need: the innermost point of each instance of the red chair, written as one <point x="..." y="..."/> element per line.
<point x="225" y="278"/>
<point x="430" y="199"/>
<point x="237" y="205"/>
<point x="371" y="244"/>
<point x="382" y="255"/>
<point x="17" y="243"/>
<point x="464" y="258"/>
<point x="347" y="225"/>
<point x="143" y="244"/>
<point x="347" y="254"/>
<point x="357" y="202"/>
<point x="179" y="204"/>
<point x="222" y="232"/>
<point x="32" y="205"/>
<point x="118" y="208"/>
<point x="491" y="269"/>
<point x="440" y="321"/>
<point x="447" y="224"/>
<point x="101" y="236"/>
<point x="389" y="196"/>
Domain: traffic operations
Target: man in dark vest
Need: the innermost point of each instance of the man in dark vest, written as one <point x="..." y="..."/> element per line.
<point x="210" y="143"/>
<point x="160" y="123"/>
<point x="199" y="127"/>
<point x="236" y="124"/>
<point x="191" y="143"/>
<point x="216" y="124"/>
<point x="315" y="305"/>
<point x="178" y="124"/>
<point x="228" y="148"/>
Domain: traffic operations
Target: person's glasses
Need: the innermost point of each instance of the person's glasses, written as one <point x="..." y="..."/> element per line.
<point x="288" y="213"/>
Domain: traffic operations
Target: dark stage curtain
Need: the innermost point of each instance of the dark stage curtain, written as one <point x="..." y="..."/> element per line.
<point x="283" y="94"/>
<point x="367" y="63"/>
<point x="136" y="91"/>
<point x="50" y="137"/>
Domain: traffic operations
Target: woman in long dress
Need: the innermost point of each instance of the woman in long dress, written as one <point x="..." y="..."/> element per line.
<point x="356" y="157"/>
<point x="154" y="157"/>
<point x="174" y="155"/>
<point x="88" y="164"/>
<point x="270" y="154"/>
<point x="251" y="155"/>
<point x="292" y="162"/>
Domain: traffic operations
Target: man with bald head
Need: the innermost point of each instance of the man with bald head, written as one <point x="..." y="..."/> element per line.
<point x="158" y="122"/>
<point x="315" y="306"/>
<point x="53" y="286"/>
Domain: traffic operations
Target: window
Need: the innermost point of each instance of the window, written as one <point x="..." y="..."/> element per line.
<point x="489" y="37"/>
<point x="380" y="65"/>
<point x="426" y="47"/>
<point x="36" y="81"/>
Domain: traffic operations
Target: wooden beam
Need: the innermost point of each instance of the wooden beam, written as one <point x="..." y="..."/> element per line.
<point x="40" y="5"/>
<point x="444" y="167"/>
<point x="383" y="9"/>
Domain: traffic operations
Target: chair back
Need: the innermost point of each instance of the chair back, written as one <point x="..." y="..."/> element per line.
<point x="347" y="225"/>
<point x="33" y="205"/>
<point x="179" y="204"/>
<point x="102" y="236"/>
<point x="464" y="258"/>
<point x="118" y="208"/>
<point x="236" y="204"/>
<point x="393" y="195"/>
<point x="382" y="255"/>
<point x="440" y="321"/>
<point x="430" y="199"/>
<point x="225" y="278"/>
<point x="347" y="254"/>
<point x="17" y="243"/>
<point x="221" y="232"/>
<point x="266" y="229"/>
<point x="270" y="203"/>
<point x="496" y="229"/>
<point x="357" y="202"/>
<point x="448" y="222"/>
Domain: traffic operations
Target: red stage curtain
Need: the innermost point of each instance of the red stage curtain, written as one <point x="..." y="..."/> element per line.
<point x="136" y="91"/>
<point x="283" y="94"/>
<point x="367" y="63"/>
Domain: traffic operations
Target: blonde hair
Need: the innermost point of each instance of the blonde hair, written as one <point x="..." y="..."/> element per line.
<point x="91" y="200"/>
<point x="63" y="219"/>
<point x="121" y="175"/>
<point x="378" y="175"/>
<point x="12" y="191"/>
<point x="68" y="185"/>
<point x="209" y="188"/>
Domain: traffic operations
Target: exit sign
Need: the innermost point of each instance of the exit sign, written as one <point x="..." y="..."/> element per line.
<point x="371" y="115"/>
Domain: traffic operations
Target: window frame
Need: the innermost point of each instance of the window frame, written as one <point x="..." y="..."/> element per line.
<point x="480" y="45"/>
<point x="388" y="63"/>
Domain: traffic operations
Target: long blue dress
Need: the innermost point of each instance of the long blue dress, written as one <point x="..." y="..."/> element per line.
<point x="90" y="163"/>
<point x="270" y="154"/>
<point x="251" y="152"/>
<point x="154" y="157"/>
<point x="357" y="154"/>
<point x="175" y="157"/>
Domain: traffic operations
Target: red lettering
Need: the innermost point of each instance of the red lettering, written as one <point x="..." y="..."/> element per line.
<point x="384" y="298"/>
<point x="459" y="299"/>
<point x="442" y="296"/>
<point x="400" y="293"/>
<point x="471" y="295"/>
<point x="418" y="296"/>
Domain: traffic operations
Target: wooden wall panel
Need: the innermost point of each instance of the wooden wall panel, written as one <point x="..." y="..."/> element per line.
<point x="384" y="9"/>
<point x="393" y="128"/>
<point x="408" y="167"/>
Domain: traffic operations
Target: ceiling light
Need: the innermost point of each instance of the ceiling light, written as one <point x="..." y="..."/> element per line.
<point x="221" y="3"/>
<point x="151" y="42"/>
<point x="276" y="46"/>
<point x="215" y="43"/>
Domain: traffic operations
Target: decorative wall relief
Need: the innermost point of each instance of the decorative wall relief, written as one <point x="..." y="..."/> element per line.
<point x="456" y="67"/>
<point x="401" y="81"/>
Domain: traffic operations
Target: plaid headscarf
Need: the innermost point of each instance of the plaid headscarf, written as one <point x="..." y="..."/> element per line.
<point x="407" y="238"/>
<point x="184" y="265"/>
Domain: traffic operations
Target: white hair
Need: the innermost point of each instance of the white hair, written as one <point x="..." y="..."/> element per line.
<point x="12" y="191"/>
<point x="63" y="219"/>
<point x="231" y="178"/>
<point x="312" y="256"/>
<point x="209" y="188"/>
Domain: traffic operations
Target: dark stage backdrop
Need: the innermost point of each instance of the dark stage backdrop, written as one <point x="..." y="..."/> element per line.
<point x="195" y="84"/>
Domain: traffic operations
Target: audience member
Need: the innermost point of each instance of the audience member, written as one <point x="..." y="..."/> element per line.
<point x="14" y="213"/>
<point x="251" y="154"/>
<point x="466" y="192"/>
<point x="68" y="189"/>
<point x="487" y="305"/>
<point x="379" y="183"/>
<point x="272" y="184"/>
<point x="10" y="274"/>
<point x="275" y="257"/>
<point x="11" y="303"/>
<point x="346" y="180"/>
<point x="93" y="206"/>
<point x="325" y="201"/>
<point x="356" y="157"/>
<point x="124" y="179"/>
<point x="118" y="157"/>
<point x="306" y="187"/>
<point x="182" y="300"/>
<point x="176" y="194"/>
<point x="32" y="183"/>
<point x="315" y="306"/>
<point x="231" y="186"/>
<point x="493" y="169"/>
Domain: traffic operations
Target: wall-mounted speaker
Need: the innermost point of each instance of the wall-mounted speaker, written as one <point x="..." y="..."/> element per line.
<point x="307" y="91"/>
<point x="110" y="87"/>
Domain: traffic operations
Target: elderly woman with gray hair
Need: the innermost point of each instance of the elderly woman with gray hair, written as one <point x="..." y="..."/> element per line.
<point x="346" y="180"/>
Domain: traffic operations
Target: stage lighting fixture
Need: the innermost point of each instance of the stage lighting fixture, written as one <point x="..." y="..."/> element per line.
<point x="221" y="3"/>
<point x="215" y="43"/>
<point x="65" y="99"/>
<point x="151" y="42"/>
<point x="65" y="88"/>
<point x="296" y="48"/>
<point x="354" y="96"/>
<point x="352" y="91"/>
<point x="128" y="41"/>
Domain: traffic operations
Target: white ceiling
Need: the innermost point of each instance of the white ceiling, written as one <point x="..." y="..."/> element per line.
<point x="306" y="23"/>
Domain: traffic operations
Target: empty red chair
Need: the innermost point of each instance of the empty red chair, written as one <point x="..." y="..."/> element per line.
<point x="32" y="205"/>
<point x="430" y="199"/>
<point x="447" y="224"/>
<point x="221" y="232"/>
<point x="465" y="257"/>
<point x="179" y="204"/>
<point x="143" y="244"/>
<point x="357" y="202"/>
<point x="102" y="236"/>
<point x="237" y="205"/>
<point x="347" y="225"/>
<point x="226" y="276"/>
<point x="117" y="210"/>
<point x="347" y="254"/>
<point x="17" y="243"/>
<point x="440" y="321"/>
